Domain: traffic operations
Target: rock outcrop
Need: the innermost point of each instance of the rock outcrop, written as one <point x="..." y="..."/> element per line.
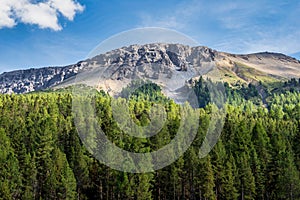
<point x="154" y="61"/>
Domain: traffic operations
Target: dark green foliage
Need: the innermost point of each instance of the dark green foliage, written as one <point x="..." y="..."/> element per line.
<point x="202" y="92"/>
<point x="10" y="180"/>
<point x="257" y="156"/>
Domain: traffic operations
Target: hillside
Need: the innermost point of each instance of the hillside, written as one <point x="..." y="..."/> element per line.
<point x="161" y="63"/>
<point x="42" y="155"/>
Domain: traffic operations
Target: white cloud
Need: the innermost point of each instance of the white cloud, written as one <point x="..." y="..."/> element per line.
<point x="41" y="14"/>
<point x="263" y="27"/>
<point x="178" y="18"/>
<point x="67" y="8"/>
<point x="284" y="43"/>
<point x="166" y="22"/>
<point x="5" y="17"/>
<point x="44" y="14"/>
<point x="234" y="26"/>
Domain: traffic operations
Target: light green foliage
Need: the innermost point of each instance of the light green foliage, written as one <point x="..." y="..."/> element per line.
<point x="257" y="156"/>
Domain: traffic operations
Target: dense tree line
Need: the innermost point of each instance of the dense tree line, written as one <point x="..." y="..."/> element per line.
<point x="256" y="157"/>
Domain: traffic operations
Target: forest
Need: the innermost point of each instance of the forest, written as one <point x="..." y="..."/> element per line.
<point x="256" y="157"/>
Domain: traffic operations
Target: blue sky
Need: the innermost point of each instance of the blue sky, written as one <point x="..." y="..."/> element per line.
<point x="50" y="33"/>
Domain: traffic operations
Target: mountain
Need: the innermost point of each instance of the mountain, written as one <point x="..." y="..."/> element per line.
<point x="172" y="63"/>
<point x="29" y="80"/>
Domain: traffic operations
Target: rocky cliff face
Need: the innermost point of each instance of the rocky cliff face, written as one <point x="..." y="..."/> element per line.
<point x="155" y="61"/>
<point x="169" y="65"/>
<point x="23" y="81"/>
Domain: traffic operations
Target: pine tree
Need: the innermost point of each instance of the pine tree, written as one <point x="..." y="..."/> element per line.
<point x="247" y="181"/>
<point x="29" y="177"/>
<point x="218" y="161"/>
<point x="66" y="182"/>
<point x="260" y="158"/>
<point x="10" y="177"/>
<point x="207" y="179"/>
<point x="229" y="188"/>
<point x="143" y="190"/>
<point x="44" y="144"/>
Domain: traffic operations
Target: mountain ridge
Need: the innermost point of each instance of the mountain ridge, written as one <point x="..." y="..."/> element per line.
<point x="142" y="60"/>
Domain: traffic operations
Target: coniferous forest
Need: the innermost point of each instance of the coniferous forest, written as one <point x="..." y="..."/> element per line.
<point x="256" y="157"/>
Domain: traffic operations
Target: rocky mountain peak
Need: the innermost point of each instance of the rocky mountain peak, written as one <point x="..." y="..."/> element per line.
<point x="156" y="61"/>
<point x="172" y="55"/>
